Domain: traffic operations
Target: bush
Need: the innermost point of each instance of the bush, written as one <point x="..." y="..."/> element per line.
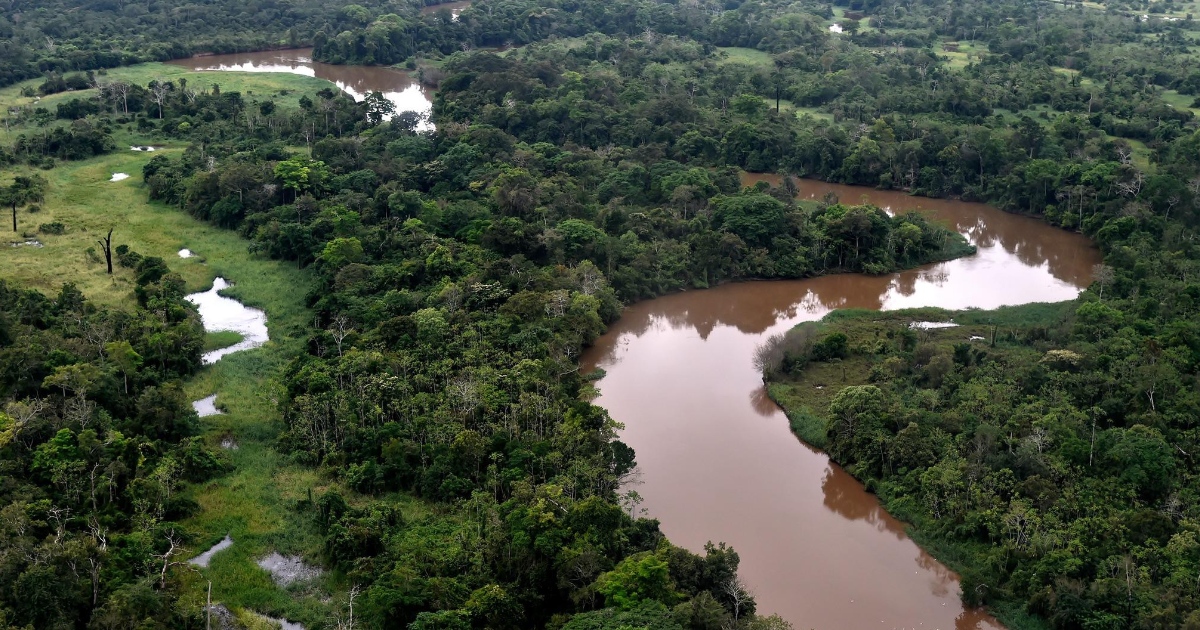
<point x="53" y="227"/>
<point x="833" y="346"/>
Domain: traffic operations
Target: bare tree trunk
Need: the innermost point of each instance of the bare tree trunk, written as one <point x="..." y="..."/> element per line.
<point x="106" y="244"/>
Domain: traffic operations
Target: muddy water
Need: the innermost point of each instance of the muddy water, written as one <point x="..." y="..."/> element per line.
<point x="397" y="86"/>
<point x="719" y="463"/>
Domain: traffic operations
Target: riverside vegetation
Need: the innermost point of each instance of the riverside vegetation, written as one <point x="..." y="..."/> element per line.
<point x="424" y="405"/>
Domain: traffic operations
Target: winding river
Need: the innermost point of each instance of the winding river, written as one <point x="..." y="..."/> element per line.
<point x="719" y="462"/>
<point x="357" y="81"/>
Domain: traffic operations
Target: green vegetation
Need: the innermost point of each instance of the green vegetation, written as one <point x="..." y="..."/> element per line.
<point x="96" y="438"/>
<point x="994" y="437"/>
<point x="39" y="37"/>
<point x="748" y="56"/>
<point x="417" y="424"/>
<point x="221" y="339"/>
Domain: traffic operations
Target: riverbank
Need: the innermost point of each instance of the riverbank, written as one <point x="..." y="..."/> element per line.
<point x="233" y="504"/>
<point x="881" y="351"/>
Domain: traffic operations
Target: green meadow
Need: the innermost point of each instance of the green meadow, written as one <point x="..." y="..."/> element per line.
<point x="255" y="504"/>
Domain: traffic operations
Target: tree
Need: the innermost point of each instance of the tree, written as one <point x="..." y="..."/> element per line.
<point x="298" y="173"/>
<point x="756" y="218"/>
<point x="159" y="90"/>
<point x="1103" y="275"/>
<point x="24" y="190"/>
<point x="106" y="246"/>
<point x="120" y="89"/>
<point x="379" y="108"/>
<point x="855" y="413"/>
<point x="342" y="251"/>
<point x="639" y="577"/>
<point x="125" y="357"/>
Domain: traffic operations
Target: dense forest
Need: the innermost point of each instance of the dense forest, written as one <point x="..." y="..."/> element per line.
<point x="460" y="272"/>
<point x="460" y="276"/>
<point x="39" y="37"/>
<point x="96" y="442"/>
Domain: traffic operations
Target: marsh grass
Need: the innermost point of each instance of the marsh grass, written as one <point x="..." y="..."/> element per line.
<point x="255" y="503"/>
<point x="221" y="339"/>
<point x="748" y="56"/>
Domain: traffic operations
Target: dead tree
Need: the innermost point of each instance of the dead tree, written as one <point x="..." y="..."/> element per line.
<point x="173" y="549"/>
<point x="159" y="92"/>
<point x="106" y="245"/>
<point x="120" y="90"/>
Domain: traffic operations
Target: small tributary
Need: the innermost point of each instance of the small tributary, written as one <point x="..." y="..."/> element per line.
<point x="719" y="462"/>
<point x="203" y="559"/>
<point x="220" y="314"/>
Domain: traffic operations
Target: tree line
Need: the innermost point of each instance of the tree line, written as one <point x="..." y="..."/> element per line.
<point x="97" y="442"/>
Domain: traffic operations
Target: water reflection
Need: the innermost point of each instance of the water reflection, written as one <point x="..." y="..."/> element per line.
<point x="762" y="404"/>
<point x="221" y="314"/>
<point x="843" y="496"/>
<point x="720" y="463"/>
<point x="984" y="226"/>
<point x="357" y="81"/>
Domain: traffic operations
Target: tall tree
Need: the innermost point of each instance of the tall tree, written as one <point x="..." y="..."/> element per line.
<point x="23" y="191"/>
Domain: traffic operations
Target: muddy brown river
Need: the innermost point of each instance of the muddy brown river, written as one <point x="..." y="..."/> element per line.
<point x="397" y="86"/>
<point x="718" y="461"/>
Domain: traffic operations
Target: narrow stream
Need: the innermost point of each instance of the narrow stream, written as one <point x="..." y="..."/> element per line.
<point x="719" y="462"/>
<point x="220" y="314"/>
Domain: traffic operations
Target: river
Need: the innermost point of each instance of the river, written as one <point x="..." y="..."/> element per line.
<point x="397" y="86"/>
<point x="719" y="462"/>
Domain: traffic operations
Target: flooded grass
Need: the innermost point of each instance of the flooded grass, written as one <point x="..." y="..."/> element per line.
<point x="206" y="406"/>
<point x="203" y="559"/>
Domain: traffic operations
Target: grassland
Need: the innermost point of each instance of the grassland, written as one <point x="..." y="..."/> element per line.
<point x="1181" y="101"/>
<point x="748" y="56"/>
<point x="963" y="54"/>
<point x="285" y="89"/>
<point x="255" y="504"/>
